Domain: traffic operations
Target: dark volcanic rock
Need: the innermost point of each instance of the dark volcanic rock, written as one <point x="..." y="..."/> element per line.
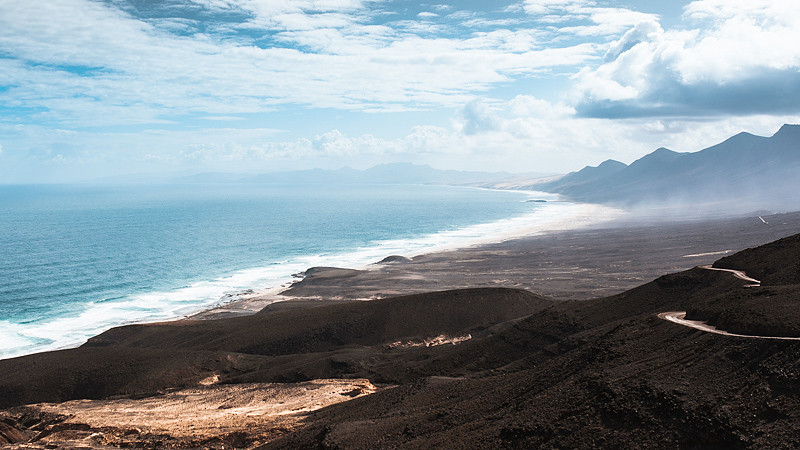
<point x="329" y="327"/>
<point x="94" y="373"/>
<point x="534" y="373"/>
<point x="773" y="264"/>
<point x="605" y="373"/>
<point x="759" y="311"/>
<point x="273" y="346"/>
<point x="393" y="259"/>
<point x="768" y="310"/>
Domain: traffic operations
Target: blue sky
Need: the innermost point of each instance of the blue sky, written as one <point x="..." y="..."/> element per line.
<point x="99" y="88"/>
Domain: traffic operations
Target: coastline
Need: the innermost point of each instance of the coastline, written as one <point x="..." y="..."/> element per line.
<point x="499" y="343"/>
<point x="268" y="250"/>
<point x="592" y="261"/>
<point x="548" y="251"/>
<point x="560" y="215"/>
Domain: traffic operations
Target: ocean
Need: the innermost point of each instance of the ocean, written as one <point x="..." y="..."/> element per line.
<point x="76" y="260"/>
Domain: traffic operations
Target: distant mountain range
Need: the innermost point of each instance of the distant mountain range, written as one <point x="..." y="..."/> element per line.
<point x="394" y="173"/>
<point x="745" y="169"/>
<point x="745" y="172"/>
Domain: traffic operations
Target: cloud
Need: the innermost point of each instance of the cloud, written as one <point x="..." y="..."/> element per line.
<point x="476" y="117"/>
<point x="543" y="7"/>
<point x="530" y="106"/>
<point x="523" y="134"/>
<point x="602" y="21"/>
<point x="221" y="118"/>
<point x="736" y="63"/>
<point x="608" y="21"/>
<point x="73" y="66"/>
<point x="81" y="63"/>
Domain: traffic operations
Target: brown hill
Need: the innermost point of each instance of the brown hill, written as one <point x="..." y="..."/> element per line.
<point x="534" y="373"/>
<point x="326" y="328"/>
<point x="286" y="345"/>
<point x="604" y="373"/>
<point x="776" y="263"/>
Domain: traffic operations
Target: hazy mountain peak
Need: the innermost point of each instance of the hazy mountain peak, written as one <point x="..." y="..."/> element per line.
<point x="788" y="131"/>
<point x="664" y="153"/>
<point x="745" y="172"/>
<point x="612" y="164"/>
<point x="658" y="157"/>
<point x="743" y="138"/>
<point x="605" y="169"/>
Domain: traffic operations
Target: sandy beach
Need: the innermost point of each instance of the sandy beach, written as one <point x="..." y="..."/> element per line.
<point x="594" y="261"/>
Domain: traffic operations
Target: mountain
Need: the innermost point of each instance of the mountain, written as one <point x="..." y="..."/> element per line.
<point x="530" y="372"/>
<point x="394" y="173"/>
<point x="744" y="169"/>
<point x="585" y="175"/>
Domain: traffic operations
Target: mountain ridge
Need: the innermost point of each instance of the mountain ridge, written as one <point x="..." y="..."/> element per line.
<point x="744" y="168"/>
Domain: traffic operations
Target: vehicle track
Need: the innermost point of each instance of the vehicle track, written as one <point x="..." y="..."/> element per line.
<point x="679" y="317"/>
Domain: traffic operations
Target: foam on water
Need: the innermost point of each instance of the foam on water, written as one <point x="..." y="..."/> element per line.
<point x="97" y="316"/>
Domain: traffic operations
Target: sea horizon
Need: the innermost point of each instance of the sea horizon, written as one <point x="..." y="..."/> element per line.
<point x="53" y="299"/>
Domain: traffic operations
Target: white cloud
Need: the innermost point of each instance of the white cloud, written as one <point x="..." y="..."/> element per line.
<point x="266" y="9"/>
<point x="552" y="6"/>
<point x="530" y="106"/>
<point x="87" y="63"/>
<point x="609" y="21"/>
<point x="427" y="139"/>
<point x="605" y="20"/>
<point x="744" y="36"/>
<point x="524" y="134"/>
<point x="477" y="117"/>
<point x="80" y="63"/>
<point x="738" y="62"/>
<point x="221" y="118"/>
<point x="728" y="9"/>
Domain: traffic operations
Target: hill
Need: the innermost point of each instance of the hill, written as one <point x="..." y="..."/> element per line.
<point x="282" y="345"/>
<point x="744" y="171"/>
<point x="527" y="372"/>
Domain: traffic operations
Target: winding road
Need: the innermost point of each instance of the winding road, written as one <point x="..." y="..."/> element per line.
<point x="679" y="317"/>
<point x="737" y="273"/>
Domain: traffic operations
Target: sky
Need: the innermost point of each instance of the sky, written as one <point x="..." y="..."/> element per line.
<point x="92" y="89"/>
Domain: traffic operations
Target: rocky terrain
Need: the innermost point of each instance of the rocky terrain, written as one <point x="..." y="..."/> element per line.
<point x="468" y="368"/>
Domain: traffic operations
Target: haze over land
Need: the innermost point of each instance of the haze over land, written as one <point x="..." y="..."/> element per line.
<point x="744" y="173"/>
<point x="100" y="88"/>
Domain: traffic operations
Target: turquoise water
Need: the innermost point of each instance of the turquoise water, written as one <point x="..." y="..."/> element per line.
<point x="76" y="260"/>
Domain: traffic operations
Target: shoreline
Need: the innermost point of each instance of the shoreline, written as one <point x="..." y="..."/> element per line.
<point x="573" y="264"/>
<point x="190" y="302"/>
<point x="499" y="343"/>
<point x="483" y="259"/>
<point x="578" y="216"/>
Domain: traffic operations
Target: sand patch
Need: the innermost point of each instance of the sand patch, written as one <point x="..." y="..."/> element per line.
<point x="189" y="416"/>
<point x="431" y="342"/>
